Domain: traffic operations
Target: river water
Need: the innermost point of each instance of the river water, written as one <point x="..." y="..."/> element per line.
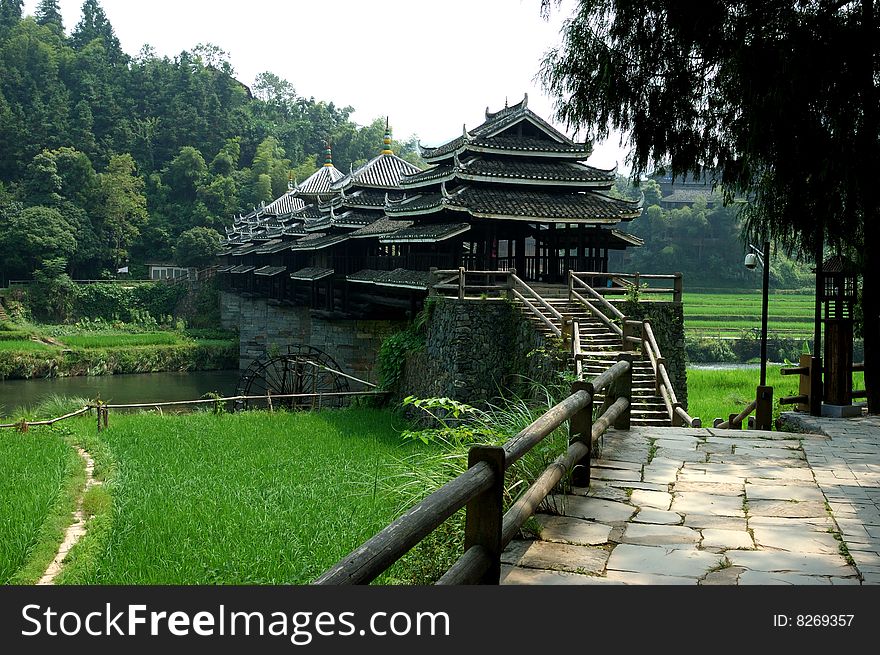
<point x="132" y="388"/>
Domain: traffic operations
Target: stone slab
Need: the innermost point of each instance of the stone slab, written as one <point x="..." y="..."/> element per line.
<point x="651" y="499"/>
<point x="783" y="492"/>
<point x="708" y="521"/>
<point x="726" y="576"/>
<point x="626" y="475"/>
<point x="717" y="488"/>
<point x="568" y="530"/>
<point x="795" y="538"/>
<point x="770" y="578"/>
<point x="659" y="535"/>
<point x="658" y="517"/>
<point x="691" y="563"/>
<point x="703" y="503"/>
<point x="787" y="509"/>
<point x="607" y="493"/>
<point x="557" y="557"/>
<point x="726" y="539"/>
<point x="595" y="509"/>
<point x="780" y="561"/>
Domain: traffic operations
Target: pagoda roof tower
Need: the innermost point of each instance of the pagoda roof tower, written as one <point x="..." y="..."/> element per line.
<point x="513" y="167"/>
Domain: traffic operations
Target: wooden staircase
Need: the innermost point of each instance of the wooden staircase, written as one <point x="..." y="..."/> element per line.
<point x="3" y="315"/>
<point x="600" y="347"/>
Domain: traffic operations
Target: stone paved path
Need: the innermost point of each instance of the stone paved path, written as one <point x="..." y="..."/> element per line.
<point x="715" y="507"/>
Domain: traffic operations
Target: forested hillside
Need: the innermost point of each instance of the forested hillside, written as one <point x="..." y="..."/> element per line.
<point x="106" y="159"/>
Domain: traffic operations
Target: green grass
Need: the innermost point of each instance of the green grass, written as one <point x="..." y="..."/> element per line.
<point x="122" y="340"/>
<point x="787" y="312"/>
<point x="25" y="346"/>
<point x="251" y="498"/>
<point x="717" y="393"/>
<point x="41" y="477"/>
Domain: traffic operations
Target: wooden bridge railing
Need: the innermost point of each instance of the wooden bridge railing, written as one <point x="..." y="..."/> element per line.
<point x="480" y="489"/>
<point x="809" y="397"/>
<point x="619" y="284"/>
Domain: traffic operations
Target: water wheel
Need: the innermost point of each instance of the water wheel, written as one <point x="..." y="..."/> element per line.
<point x="301" y="369"/>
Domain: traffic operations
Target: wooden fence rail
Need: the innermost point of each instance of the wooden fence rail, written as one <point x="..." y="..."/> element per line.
<point x="103" y="407"/>
<point x="487" y="528"/>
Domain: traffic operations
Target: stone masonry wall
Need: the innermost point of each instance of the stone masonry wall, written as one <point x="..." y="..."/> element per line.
<point x="264" y="326"/>
<point x="473" y="350"/>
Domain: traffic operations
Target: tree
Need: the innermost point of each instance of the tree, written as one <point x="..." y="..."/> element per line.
<point x="124" y="207"/>
<point x="197" y="247"/>
<point x="10" y="13"/>
<point x="94" y="25"/>
<point x="778" y="97"/>
<point x="30" y="236"/>
<point x="49" y="14"/>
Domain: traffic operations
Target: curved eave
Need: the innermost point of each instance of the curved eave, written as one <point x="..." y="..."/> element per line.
<point x="576" y="155"/>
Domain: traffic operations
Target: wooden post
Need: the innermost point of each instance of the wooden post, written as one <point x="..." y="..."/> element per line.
<point x="461" y="283"/>
<point x="677" y="288"/>
<point x="570" y="285"/>
<point x="731" y="422"/>
<point x="627" y="332"/>
<point x="509" y="291"/>
<point x="815" y="389"/>
<point x="567" y="329"/>
<point x="804" y="382"/>
<point x="484" y="513"/>
<point x="677" y="421"/>
<point x="621" y="388"/>
<point x="98" y="413"/>
<point x="580" y="428"/>
<point x="431" y="290"/>
<point x="658" y="379"/>
<point x="269" y="399"/>
<point x="764" y="408"/>
<point x="106" y="417"/>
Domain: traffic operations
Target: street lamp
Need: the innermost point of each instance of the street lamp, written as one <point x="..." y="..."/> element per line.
<point x="764" y="394"/>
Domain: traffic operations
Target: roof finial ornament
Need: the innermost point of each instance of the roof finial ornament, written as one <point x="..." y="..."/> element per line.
<point x="443" y="190"/>
<point x="505" y="102"/>
<point x="328" y="155"/>
<point x="525" y="102"/>
<point x="464" y="132"/>
<point x="342" y="192"/>
<point x="387" y="140"/>
<point x="289" y="181"/>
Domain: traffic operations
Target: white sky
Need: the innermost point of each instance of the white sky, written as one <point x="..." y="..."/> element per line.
<point x="430" y="66"/>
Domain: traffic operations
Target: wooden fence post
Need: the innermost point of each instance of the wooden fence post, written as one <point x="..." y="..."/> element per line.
<point x="567" y="329"/>
<point x="433" y="273"/>
<point x="627" y="332"/>
<point x="106" y="417"/>
<point x="511" y="272"/>
<point x="580" y="428"/>
<point x="764" y="408"/>
<point x="485" y="512"/>
<point x="677" y="288"/>
<point x="816" y="393"/>
<point x="621" y="388"/>
<point x="732" y="424"/>
<point x="461" y="282"/>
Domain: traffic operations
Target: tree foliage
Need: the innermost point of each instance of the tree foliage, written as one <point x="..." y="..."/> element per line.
<point x="197" y="247"/>
<point x="777" y="98"/>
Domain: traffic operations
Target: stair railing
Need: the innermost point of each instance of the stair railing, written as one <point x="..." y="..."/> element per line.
<point x="575" y="295"/>
<point x="663" y="385"/>
<point x="531" y="299"/>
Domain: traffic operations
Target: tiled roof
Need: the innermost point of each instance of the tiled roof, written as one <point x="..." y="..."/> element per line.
<point x="426" y="233"/>
<point x="367" y="198"/>
<point x="296" y="229"/>
<point x="317" y="241"/>
<point x="399" y="277"/>
<point x="247" y="249"/>
<point x="241" y="269"/>
<point x="310" y="211"/>
<point x="379" y="228"/>
<point x="311" y="273"/>
<point x="627" y="239"/>
<point x="286" y="204"/>
<point x="223" y="269"/>
<point x="382" y="172"/>
<point x="319" y="182"/>
<point x="515" y="170"/>
<point x="354" y="218"/>
<point x="681" y="196"/>
<point x="521" y="204"/>
<point x="269" y="271"/>
<point x="273" y="247"/>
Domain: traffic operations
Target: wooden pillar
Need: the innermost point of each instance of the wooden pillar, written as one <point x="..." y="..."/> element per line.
<point x="485" y="512"/>
<point x="554" y="253"/>
<point x="580" y="428"/>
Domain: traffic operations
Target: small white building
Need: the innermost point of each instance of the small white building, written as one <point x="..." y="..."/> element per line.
<point x="163" y="271"/>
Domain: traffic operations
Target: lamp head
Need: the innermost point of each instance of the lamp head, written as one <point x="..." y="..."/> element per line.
<point x="751" y="261"/>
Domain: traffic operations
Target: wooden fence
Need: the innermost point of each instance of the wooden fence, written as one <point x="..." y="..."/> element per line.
<point x="479" y="490"/>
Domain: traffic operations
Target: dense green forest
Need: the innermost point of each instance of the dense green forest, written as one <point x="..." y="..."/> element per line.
<point x="107" y="159"/>
<point x="703" y="241"/>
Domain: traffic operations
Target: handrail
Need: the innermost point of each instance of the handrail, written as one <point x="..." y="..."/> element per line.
<point x="675" y="290"/>
<point x="514" y="279"/>
<point x="739" y="417"/>
<point x="481" y="559"/>
<point x="607" y="321"/>
<point x="574" y="278"/>
<point x="555" y="330"/>
<point x="661" y="375"/>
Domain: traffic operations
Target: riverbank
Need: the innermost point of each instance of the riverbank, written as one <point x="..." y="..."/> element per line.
<point x="33" y="351"/>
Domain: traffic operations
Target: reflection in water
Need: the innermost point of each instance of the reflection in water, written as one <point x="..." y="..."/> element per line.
<point x="133" y="388"/>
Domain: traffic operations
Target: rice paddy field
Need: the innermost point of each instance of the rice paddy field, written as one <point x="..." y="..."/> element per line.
<point x="722" y="313"/>
<point x="719" y="392"/>
<point x="36" y="468"/>
<point x="249" y="498"/>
